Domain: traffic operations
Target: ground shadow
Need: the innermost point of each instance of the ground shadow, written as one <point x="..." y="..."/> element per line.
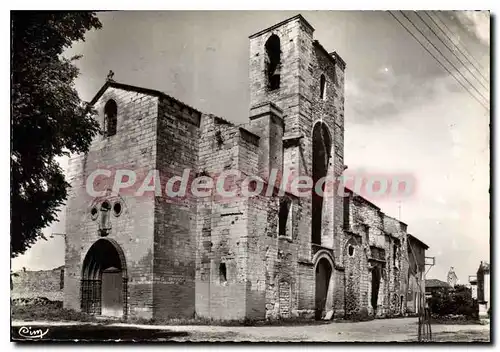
<point x="98" y="333"/>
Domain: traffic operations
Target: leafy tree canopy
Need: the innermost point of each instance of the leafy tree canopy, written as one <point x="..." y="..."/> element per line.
<point x="48" y="118"/>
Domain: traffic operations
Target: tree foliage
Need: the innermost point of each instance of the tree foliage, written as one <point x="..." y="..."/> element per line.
<point x="48" y="118"/>
<point x="457" y="301"/>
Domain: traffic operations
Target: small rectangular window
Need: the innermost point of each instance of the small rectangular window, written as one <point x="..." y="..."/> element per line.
<point x="394" y="255"/>
<point x="222" y="273"/>
<point x="322" y="87"/>
<point x="285" y="216"/>
<point x="347" y="213"/>
<point x="61" y="280"/>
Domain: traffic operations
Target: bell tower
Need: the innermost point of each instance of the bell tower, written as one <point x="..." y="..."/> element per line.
<point x="293" y="75"/>
<point x="276" y="54"/>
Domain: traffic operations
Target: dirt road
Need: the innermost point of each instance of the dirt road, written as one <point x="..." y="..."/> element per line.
<point x="379" y="330"/>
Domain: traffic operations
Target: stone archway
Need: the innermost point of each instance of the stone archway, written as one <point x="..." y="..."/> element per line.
<point x="323" y="274"/>
<point x="104" y="280"/>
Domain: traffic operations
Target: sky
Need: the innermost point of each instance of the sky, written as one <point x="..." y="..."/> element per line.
<point x="403" y="111"/>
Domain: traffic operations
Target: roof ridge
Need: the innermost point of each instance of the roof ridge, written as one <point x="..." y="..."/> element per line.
<point x="149" y="91"/>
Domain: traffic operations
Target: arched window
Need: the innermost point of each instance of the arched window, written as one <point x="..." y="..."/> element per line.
<point x="322" y="87"/>
<point x="273" y="62"/>
<point x="321" y="152"/>
<point x="110" y="112"/>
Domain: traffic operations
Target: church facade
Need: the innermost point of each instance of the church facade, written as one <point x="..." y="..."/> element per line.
<point x="274" y="255"/>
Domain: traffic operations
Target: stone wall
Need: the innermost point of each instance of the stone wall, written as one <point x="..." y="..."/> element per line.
<point x="378" y="243"/>
<point x="41" y="283"/>
<point x="222" y="221"/>
<point x="175" y="244"/>
<point x="132" y="147"/>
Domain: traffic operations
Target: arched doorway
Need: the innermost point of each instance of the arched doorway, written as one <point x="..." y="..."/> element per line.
<point x="104" y="280"/>
<point x="321" y="150"/>
<point x="323" y="275"/>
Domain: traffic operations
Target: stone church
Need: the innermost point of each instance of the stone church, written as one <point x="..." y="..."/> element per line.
<point x="274" y="256"/>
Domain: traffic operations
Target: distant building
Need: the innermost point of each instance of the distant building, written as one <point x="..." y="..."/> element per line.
<point x="473" y="285"/>
<point x="483" y="287"/>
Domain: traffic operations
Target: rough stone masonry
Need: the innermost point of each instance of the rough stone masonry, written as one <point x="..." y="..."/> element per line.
<point x="275" y="256"/>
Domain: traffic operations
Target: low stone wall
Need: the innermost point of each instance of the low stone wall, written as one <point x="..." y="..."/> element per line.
<point x="43" y="283"/>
